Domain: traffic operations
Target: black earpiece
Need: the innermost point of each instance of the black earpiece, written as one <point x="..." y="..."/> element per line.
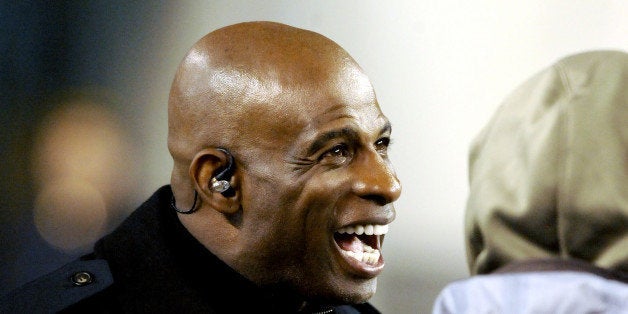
<point x="220" y="182"/>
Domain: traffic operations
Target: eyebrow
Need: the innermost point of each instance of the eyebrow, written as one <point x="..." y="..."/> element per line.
<point x="346" y="132"/>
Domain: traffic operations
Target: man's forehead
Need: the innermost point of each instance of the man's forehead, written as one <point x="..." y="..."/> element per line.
<point x="294" y="119"/>
<point x="352" y="85"/>
<point x="319" y="102"/>
<point x="282" y="92"/>
<point x="358" y="120"/>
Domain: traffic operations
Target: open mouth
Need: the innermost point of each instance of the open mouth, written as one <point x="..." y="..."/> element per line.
<point x="362" y="243"/>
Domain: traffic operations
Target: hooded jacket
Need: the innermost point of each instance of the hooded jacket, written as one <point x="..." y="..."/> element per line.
<point x="549" y="173"/>
<point x="547" y="214"/>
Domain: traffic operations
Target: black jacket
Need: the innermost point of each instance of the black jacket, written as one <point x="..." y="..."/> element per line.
<point x="151" y="264"/>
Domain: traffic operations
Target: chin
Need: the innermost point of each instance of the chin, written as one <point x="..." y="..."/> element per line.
<point x="362" y="294"/>
<point x="351" y="292"/>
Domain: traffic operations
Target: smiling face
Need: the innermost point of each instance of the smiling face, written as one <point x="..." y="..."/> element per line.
<point x="314" y="185"/>
<point x="317" y="189"/>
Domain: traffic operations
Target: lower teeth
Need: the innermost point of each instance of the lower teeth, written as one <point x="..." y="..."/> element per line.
<point x="366" y="257"/>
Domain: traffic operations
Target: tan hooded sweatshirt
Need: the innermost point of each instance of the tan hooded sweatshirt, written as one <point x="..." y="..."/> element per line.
<point x="549" y="173"/>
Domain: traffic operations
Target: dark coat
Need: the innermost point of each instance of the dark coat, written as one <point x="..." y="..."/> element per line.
<point x="151" y="264"/>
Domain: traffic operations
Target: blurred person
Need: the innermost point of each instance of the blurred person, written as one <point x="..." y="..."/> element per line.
<point x="547" y="214"/>
<point x="280" y="196"/>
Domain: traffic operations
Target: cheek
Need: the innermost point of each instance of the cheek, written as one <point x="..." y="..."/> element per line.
<point x="272" y="224"/>
<point x="317" y="205"/>
<point x="286" y="225"/>
<point x="325" y="189"/>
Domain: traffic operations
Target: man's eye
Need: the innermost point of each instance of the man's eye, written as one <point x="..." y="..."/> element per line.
<point x="382" y="144"/>
<point x="337" y="154"/>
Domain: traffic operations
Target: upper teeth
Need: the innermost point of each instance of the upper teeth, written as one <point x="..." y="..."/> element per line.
<point x="364" y="229"/>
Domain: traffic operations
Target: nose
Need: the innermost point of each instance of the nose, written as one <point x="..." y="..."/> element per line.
<point x="375" y="179"/>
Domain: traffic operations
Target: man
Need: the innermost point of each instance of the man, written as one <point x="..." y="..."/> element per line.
<point x="547" y="214"/>
<point x="281" y="189"/>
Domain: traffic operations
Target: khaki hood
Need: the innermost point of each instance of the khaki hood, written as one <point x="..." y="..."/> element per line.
<point x="549" y="173"/>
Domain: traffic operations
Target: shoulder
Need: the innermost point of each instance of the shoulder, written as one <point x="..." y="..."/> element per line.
<point x="553" y="291"/>
<point x="60" y="289"/>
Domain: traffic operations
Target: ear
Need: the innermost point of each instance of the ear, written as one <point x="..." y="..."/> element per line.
<point x="206" y="164"/>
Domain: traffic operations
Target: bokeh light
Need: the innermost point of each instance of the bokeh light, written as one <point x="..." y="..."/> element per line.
<point x="79" y="171"/>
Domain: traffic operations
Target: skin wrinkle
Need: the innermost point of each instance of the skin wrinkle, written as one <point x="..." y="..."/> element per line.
<point x="266" y="92"/>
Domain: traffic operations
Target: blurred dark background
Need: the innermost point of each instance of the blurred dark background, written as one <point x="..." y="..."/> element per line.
<point x="57" y="54"/>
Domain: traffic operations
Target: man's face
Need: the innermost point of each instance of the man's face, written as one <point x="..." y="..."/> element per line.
<point x="317" y="189"/>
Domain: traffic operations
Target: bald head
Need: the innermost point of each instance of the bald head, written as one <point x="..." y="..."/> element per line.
<point x="238" y="69"/>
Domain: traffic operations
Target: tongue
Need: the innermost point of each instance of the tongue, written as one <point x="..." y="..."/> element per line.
<point x="349" y="242"/>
